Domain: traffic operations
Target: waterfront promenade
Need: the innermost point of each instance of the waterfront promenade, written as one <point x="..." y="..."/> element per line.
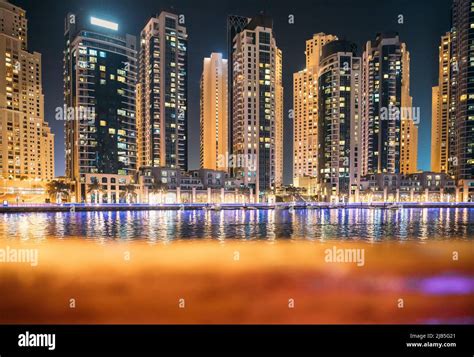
<point x="81" y="207"/>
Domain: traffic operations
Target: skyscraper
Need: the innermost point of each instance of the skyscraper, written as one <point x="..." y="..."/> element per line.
<point x="442" y="126"/>
<point x="257" y="105"/>
<point x="436" y="126"/>
<point x="278" y="118"/>
<point x="214" y="121"/>
<point x="99" y="91"/>
<point x="141" y="145"/>
<point x="235" y="24"/>
<point x="26" y="141"/>
<point x="462" y="78"/>
<point x="339" y="121"/>
<point x="163" y="120"/>
<point x="305" y="110"/>
<point x="409" y="117"/>
<point x="389" y="134"/>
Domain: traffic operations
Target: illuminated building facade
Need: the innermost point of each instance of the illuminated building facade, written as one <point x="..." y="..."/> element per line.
<point x="99" y="88"/>
<point x="442" y="126"/>
<point x="213" y="115"/>
<point x="339" y="122"/>
<point x="163" y="121"/>
<point x="462" y="78"/>
<point x="305" y="111"/>
<point x="257" y="105"/>
<point x="26" y="141"/>
<point x="235" y="24"/>
<point x="278" y="118"/>
<point x="410" y="118"/>
<point x="389" y="134"/>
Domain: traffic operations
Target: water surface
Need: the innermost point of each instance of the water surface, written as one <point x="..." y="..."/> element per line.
<point x="303" y="224"/>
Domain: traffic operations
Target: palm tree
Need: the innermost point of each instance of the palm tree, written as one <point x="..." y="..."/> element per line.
<point x="94" y="187"/>
<point x="159" y="187"/>
<point x="244" y="191"/>
<point x="370" y="194"/>
<point x="291" y="190"/>
<point x="128" y="190"/>
<point x="268" y="192"/>
<point x="58" y="189"/>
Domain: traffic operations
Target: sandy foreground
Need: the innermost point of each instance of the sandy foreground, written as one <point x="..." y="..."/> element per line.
<point x="251" y="282"/>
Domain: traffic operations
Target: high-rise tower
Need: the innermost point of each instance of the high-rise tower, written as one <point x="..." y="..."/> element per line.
<point x="442" y="126"/>
<point x="26" y="141"/>
<point x="235" y="24"/>
<point x="339" y="122"/>
<point x="213" y="117"/>
<point x="257" y="131"/>
<point x="305" y="110"/>
<point x="462" y="78"/>
<point x="389" y="134"/>
<point x="99" y="90"/>
<point x="163" y="121"/>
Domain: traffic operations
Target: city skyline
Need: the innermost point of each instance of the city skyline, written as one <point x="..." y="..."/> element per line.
<point x="315" y="156"/>
<point x="293" y="60"/>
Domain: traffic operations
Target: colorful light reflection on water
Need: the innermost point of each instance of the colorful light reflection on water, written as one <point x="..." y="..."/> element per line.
<point x="314" y="224"/>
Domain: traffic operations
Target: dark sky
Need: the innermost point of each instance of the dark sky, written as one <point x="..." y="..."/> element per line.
<point x="424" y="22"/>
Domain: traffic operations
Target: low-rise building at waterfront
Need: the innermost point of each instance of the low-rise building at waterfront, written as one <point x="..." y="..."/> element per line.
<point x="417" y="187"/>
<point x="110" y="188"/>
<point x="172" y="185"/>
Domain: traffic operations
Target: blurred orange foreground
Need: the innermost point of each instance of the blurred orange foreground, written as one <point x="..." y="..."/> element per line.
<point x="233" y="282"/>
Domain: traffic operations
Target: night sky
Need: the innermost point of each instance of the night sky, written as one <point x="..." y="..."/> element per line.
<point x="424" y="23"/>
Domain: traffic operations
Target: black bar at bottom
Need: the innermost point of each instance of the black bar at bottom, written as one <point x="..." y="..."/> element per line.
<point x="446" y="340"/>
